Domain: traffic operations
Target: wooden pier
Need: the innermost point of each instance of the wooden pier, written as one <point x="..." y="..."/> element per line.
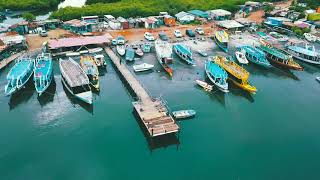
<point x="5" y="62"/>
<point x="152" y="112"/>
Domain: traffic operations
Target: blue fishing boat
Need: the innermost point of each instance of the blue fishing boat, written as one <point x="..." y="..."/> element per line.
<point x="184" y="53"/>
<point x="222" y="39"/>
<point x="130" y="54"/>
<point x="19" y="75"/>
<point x="255" y="55"/>
<point x="217" y="75"/>
<point x="43" y="72"/>
<point x="146" y="47"/>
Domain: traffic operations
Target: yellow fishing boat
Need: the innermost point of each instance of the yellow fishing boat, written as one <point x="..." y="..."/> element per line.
<point x="89" y="66"/>
<point x="237" y="74"/>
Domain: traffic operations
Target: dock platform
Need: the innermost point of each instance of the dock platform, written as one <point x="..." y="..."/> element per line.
<point x="5" y="62"/>
<point x="152" y="111"/>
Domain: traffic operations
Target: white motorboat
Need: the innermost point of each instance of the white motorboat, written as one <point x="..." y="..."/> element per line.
<point x="121" y="49"/>
<point x="142" y="67"/>
<point x="99" y="60"/>
<point x="318" y="79"/>
<point x="241" y="57"/>
<point x="70" y="54"/>
<point x="204" y="85"/>
<point x="95" y="50"/>
<point x="310" y="37"/>
<point x="202" y="53"/>
<point x="182" y="114"/>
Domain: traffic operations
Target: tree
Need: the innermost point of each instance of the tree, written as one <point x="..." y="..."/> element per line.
<point x="268" y="8"/>
<point x="28" y="17"/>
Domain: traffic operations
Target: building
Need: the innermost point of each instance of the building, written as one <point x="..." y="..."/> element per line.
<point x="231" y="25"/>
<point x="79" y="27"/>
<point x="108" y="18"/>
<point x="151" y="23"/>
<point x="124" y="23"/>
<point x="184" y="17"/>
<point x="199" y="14"/>
<point x="90" y="19"/>
<point x="115" y="24"/>
<point x="276" y="21"/>
<point x="220" y="14"/>
<point x="169" y="20"/>
<point x="21" y="28"/>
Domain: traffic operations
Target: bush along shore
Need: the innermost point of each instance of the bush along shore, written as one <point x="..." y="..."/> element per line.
<point x="29" y="4"/>
<point x="134" y="8"/>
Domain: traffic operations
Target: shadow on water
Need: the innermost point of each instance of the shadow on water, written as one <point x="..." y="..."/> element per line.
<point x="275" y="70"/>
<point x="235" y="90"/>
<point x="74" y="101"/>
<point x="22" y="96"/>
<point x="157" y="142"/>
<point x="48" y="95"/>
<point x="216" y="94"/>
<point x="310" y="68"/>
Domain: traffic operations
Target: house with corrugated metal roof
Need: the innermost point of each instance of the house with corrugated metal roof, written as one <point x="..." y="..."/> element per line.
<point x="219" y="14"/>
<point x="199" y="14"/>
<point x="185" y="17"/>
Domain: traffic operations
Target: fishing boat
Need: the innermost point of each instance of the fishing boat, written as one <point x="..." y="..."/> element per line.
<point x="142" y="67"/>
<point x="310" y="37"/>
<point x="95" y="50"/>
<point x="204" y="85"/>
<point x="303" y="51"/>
<point x="75" y="80"/>
<point x="19" y="75"/>
<point x="237" y="74"/>
<point x="139" y="52"/>
<point x="183" y="114"/>
<point x="222" y="39"/>
<point x="146" y="47"/>
<point x="99" y="60"/>
<point x="280" y="57"/>
<point x="184" y="53"/>
<point x="130" y="54"/>
<point x="255" y="55"/>
<point x="202" y="53"/>
<point x="43" y="73"/>
<point x="279" y="37"/>
<point x="70" y="54"/>
<point x="241" y="57"/>
<point x="318" y="79"/>
<point x="89" y="66"/>
<point x="164" y="55"/>
<point x="121" y="49"/>
<point x="217" y="75"/>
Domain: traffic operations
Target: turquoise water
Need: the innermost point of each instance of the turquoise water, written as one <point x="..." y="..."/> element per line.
<point x="271" y="135"/>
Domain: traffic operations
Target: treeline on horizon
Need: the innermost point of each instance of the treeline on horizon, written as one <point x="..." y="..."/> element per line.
<point x="29" y="4"/>
<point x="135" y="8"/>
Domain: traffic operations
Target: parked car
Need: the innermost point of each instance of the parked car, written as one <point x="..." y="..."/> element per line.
<point x="43" y="33"/>
<point x="199" y="30"/>
<point x="149" y="36"/>
<point x="163" y="36"/>
<point x="190" y="33"/>
<point x="177" y="33"/>
<point x="121" y="40"/>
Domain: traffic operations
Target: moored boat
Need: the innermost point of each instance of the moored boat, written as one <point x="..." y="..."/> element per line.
<point x="204" y="85"/>
<point x="318" y="79"/>
<point x="202" y="53"/>
<point x="70" y="54"/>
<point x="19" y="75"/>
<point x="121" y="49"/>
<point x="280" y="57"/>
<point x="139" y="52"/>
<point x="184" y="53"/>
<point x="75" y="80"/>
<point x="146" y="47"/>
<point x="99" y="60"/>
<point x="241" y="57"/>
<point x="130" y="54"/>
<point x="142" y="67"/>
<point x="183" y="114"/>
<point x="164" y="55"/>
<point x="95" y="50"/>
<point x="90" y="68"/>
<point x="310" y="37"/>
<point x="43" y="73"/>
<point x="237" y="74"/>
<point x="217" y="75"/>
<point x="255" y="55"/>
<point x="221" y="38"/>
<point x="303" y="51"/>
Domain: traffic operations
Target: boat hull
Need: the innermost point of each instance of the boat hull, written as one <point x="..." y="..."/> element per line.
<point x="287" y="66"/>
<point x="223" y="88"/>
<point x="84" y="97"/>
<point x="183" y="56"/>
<point x="223" y="46"/>
<point x="293" y="53"/>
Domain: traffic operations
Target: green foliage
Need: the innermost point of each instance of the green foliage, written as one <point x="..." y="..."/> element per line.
<point x="314" y="17"/>
<point x="268" y="8"/>
<point x="300" y="31"/>
<point x="133" y="8"/>
<point x="28" y="17"/>
<point x="29" y="4"/>
<point x="311" y="3"/>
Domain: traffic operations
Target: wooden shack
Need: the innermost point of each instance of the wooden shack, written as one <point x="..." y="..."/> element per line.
<point x="169" y="20"/>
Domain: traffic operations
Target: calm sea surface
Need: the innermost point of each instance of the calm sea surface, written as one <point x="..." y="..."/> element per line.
<point x="237" y="136"/>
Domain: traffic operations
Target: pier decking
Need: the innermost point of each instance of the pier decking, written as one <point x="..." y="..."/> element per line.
<point x="152" y="112"/>
<point x="5" y="62"/>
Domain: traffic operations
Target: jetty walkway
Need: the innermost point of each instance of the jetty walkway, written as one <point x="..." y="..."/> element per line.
<point x="5" y="62"/>
<point x="152" y="112"/>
